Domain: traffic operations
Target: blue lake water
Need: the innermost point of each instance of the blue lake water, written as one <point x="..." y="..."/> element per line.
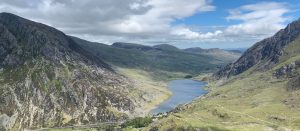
<point x="183" y="91"/>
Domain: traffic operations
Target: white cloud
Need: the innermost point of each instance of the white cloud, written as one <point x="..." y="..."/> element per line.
<point x="256" y="21"/>
<point x="149" y="20"/>
<point x="75" y="16"/>
<point x="187" y="33"/>
<point x="261" y="19"/>
<point x="98" y="18"/>
<point x="159" y="17"/>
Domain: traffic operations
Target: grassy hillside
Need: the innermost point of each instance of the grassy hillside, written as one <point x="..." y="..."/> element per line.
<point x="152" y="58"/>
<point x="245" y="104"/>
<point x="250" y="101"/>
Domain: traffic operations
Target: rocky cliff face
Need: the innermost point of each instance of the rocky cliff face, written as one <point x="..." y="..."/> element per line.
<point x="47" y="80"/>
<point x="264" y="54"/>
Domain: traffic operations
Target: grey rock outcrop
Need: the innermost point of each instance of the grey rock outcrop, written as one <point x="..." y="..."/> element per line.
<point x="287" y="71"/>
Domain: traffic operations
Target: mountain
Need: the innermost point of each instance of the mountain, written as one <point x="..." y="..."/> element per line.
<point x="166" y="47"/>
<point x="264" y="54"/>
<point x="47" y="79"/>
<point x="144" y="47"/>
<point x="238" y="50"/>
<point x="161" y="57"/>
<point x="260" y="91"/>
<point x="216" y="53"/>
<point x="131" y="46"/>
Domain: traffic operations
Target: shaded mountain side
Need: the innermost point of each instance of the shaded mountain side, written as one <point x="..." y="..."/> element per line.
<point x="264" y="54"/>
<point x="46" y="79"/>
<point x="166" y="47"/>
<point x="131" y="46"/>
<point x="237" y="50"/>
<point x="216" y="53"/>
<point x="151" y="58"/>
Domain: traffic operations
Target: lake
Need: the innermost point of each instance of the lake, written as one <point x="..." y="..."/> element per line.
<point x="183" y="91"/>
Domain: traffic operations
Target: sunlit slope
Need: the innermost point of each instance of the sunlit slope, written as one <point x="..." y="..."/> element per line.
<point x="267" y="99"/>
<point x="250" y="102"/>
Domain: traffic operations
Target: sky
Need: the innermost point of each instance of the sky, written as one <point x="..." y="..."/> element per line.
<point x="183" y="23"/>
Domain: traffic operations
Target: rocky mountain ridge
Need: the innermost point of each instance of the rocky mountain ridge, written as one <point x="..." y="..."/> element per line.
<point x="264" y="54"/>
<point x="47" y="79"/>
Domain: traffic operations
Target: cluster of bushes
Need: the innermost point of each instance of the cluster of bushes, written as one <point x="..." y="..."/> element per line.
<point x="138" y="122"/>
<point x="293" y="84"/>
<point x="188" y="77"/>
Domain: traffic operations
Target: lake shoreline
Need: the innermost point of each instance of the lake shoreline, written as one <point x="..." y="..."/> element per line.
<point x="183" y="91"/>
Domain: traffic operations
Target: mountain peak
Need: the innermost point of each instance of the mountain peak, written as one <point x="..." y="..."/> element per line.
<point x="166" y="47"/>
<point x="31" y="40"/>
<point x="9" y="17"/>
<point x="8" y="14"/>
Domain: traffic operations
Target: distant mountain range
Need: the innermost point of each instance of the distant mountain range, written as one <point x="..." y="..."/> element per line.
<point x="159" y="57"/>
<point x="239" y="50"/>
